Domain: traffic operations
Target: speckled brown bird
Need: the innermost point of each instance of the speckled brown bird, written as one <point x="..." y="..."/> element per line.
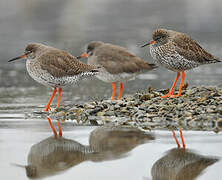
<point x="56" y="68"/>
<point x="118" y="64"/>
<point x="178" y="52"/>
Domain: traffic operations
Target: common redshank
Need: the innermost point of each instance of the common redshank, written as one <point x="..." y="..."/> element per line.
<point x="56" y="68"/>
<point x="118" y="64"/>
<point x="178" y="52"/>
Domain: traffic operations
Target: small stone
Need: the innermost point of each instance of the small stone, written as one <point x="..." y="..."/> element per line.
<point x="187" y="114"/>
<point x="219" y="122"/>
<point x="210" y="110"/>
<point x="109" y="113"/>
<point x="94" y="111"/>
<point x="180" y="106"/>
<point x="145" y="97"/>
<point x="129" y="98"/>
<point x="100" y="113"/>
<point x="201" y="99"/>
<point x="189" y="92"/>
<point x="93" y="122"/>
<point x="151" y="115"/>
<point x="89" y="106"/>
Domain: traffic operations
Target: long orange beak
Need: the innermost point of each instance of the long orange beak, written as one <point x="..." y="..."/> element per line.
<point x="82" y="56"/>
<point x="19" y="57"/>
<point x="149" y="43"/>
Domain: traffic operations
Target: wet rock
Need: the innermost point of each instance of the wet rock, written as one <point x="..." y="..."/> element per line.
<point x="219" y="122"/>
<point x="145" y="97"/>
<point x="94" y="111"/>
<point x="109" y="113"/>
<point x="89" y="106"/>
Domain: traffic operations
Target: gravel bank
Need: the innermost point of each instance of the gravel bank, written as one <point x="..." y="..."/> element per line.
<point x="199" y="108"/>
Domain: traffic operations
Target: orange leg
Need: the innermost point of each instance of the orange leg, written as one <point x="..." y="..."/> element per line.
<point x="181" y="136"/>
<point x="48" y="105"/>
<point x="181" y="85"/>
<point x="53" y="129"/>
<point x="60" y="129"/>
<point x="174" y="136"/>
<point x="114" y="90"/>
<point x="120" y="91"/>
<point x="171" y="90"/>
<point x="58" y="103"/>
<point x="59" y="97"/>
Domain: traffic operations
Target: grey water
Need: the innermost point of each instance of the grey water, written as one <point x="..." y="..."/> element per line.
<point x="70" y="25"/>
<point x="31" y="152"/>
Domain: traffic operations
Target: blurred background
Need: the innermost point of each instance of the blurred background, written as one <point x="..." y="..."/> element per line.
<point x="71" y="24"/>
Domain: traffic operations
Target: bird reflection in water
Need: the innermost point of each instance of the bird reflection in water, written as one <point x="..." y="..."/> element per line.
<point x="55" y="155"/>
<point x="181" y="164"/>
<point x="116" y="142"/>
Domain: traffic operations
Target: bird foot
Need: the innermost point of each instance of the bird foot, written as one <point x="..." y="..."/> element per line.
<point x="47" y="109"/>
<point x="174" y="96"/>
<point x="168" y="95"/>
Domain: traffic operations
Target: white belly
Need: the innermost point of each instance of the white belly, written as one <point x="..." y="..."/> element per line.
<point x="123" y="77"/>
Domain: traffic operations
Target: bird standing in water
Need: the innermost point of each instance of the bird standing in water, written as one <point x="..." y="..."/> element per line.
<point x="55" y="68"/>
<point x="118" y="64"/>
<point x="178" y="52"/>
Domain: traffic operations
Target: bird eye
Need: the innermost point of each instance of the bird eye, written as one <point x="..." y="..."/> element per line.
<point x="89" y="49"/>
<point x="28" y="52"/>
<point x="157" y="38"/>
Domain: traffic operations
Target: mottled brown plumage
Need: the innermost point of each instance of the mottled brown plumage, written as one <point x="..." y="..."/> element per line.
<point x="116" y="59"/>
<point x="191" y="50"/>
<point x="185" y="46"/>
<point x="59" y="63"/>
<point x="178" y="52"/>
<point x="118" y="64"/>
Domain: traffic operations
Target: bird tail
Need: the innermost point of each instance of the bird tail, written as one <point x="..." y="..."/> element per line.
<point x="96" y="69"/>
<point x="218" y="60"/>
<point x="150" y="66"/>
<point x="153" y="66"/>
<point x="214" y="60"/>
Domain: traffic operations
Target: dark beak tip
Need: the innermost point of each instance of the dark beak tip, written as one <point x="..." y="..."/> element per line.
<point x="10" y="60"/>
<point x="16" y="58"/>
<point x="144" y="45"/>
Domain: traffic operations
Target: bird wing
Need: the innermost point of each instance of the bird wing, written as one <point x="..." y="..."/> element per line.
<point x="191" y="50"/>
<point x="61" y="63"/>
<point x="116" y="59"/>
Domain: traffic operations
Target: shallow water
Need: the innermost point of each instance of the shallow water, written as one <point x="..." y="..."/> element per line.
<point x="120" y="155"/>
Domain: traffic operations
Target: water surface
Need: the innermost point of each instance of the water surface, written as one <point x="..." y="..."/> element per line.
<point x="84" y="154"/>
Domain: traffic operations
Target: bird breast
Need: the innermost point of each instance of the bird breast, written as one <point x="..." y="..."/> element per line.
<point x="167" y="56"/>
